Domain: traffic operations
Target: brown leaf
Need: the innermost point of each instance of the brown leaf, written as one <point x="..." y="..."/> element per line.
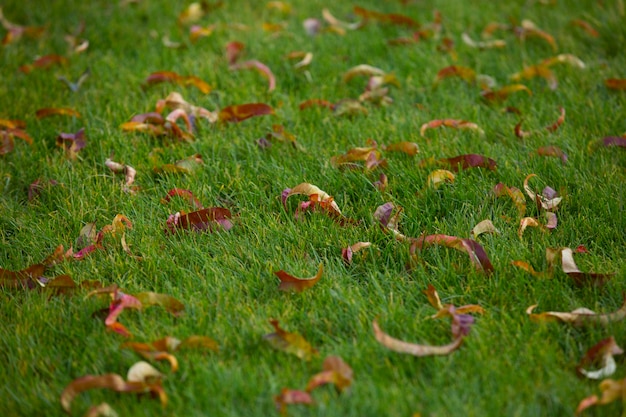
<point x="553" y="151"/>
<point x="260" y="67"/>
<point x="537" y="71"/>
<point x="54" y="111"/>
<point x="514" y="193"/>
<point x="611" y="390"/>
<point x="452" y="123"/>
<point x="316" y="102"/>
<point x="615" y="83"/>
<point x="526" y="222"/>
<point x="45" y="62"/>
<point x="579" y="317"/>
<point x="463" y="162"/>
<point x="584" y="25"/>
<point x="109" y="381"/>
<point x="201" y="220"/>
<point x="409" y="148"/>
<point x="474" y="250"/>
<point x="465" y="73"/>
<point x="528" y="268"/>
<point x="172" y="77"/>
<point x="128" y="171"/>
<point x="392" y="18"/>
<point x="169" y="303"/>
<point x="413" y="349"/>
<point x="185" y="194"/>
<point x="290" y="283"/>
<point x="335" y="371"/>
<point x="600" y="354"/>
<point x="242" y="112"/>
<point x="292" y="343"/>
<point x="504" y="92"/>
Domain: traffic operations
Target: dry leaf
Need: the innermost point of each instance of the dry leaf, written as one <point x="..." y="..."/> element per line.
<point x="335" y="371"/>
<point x="289" y="396"/>
<point x="474" y="250"/>
<point x="290" y="283"/>
<point x="260" y="67"/>
<point x="580" y="316"/>
<point x="600" y="354"/>
<point x="242" y="112"/>
<point x="202" y="220"/>
<point x="438" y="177"/>
<point x="485" y="226"/>
<point x="452" y="123"/>
<point x="611" y="390"/>
<point x="411" y="348"/>
<point x="292" y="343"/>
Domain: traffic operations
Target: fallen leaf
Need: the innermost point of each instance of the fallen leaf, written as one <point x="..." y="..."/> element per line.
<point x="452" y="123"/>
<point x="242" y="112"/>
<point x="128" y="171"/>
<point x="113" y="382"/>
<point x="101" y="410"/>
<point x="514" y="193"/>
<point x="548" y="204"/>
<point x="292" y="343"/>
<point x="580" y="278"/>
<point x="346" y="253"/>
<point x="72" y="143"/>
<point x="613" y="141"/>
<point x="45" y="62"/>
<point x="474" y="250"/>
<point x="490" y="44"/>
<point x="393" y="18"/>
<point x="290" y="283"/>
<point x="600" y="354"/>
<point x="411" y="348"/>
<point x="289" y="397"/>
<point x="349" y="107"/>
<point x="316" y="195"/>
<point x="485" y="226"/>
<point x="316" y="102"/>
<point x="260" y="67"/>
<point x="584" y="25"/>
<point x="172" y="77"/>
<point x="611" y="390"/>
<point x="335" y="371"/>
<point x="465" y="73"/>
<point x="162" y="349"/>
<point x="579" y="317"/>
<point x="529" y="268"/>
<point x="15" y="31"/>
<point x="526" y="222"/>
<point x="463" y="162"/>
<point x="553" y="151"/>
<point x="615" y="83"/>
<point x="169" y="303"/>
<point x="201" y="220"/>
<point x="185" y="194"/>
<point x="529" y="29"/>
<point x="504" y="92"/>
<point x="361" y="70"/>
<point x="60" y="111"/>
<point x="438" y="177"/>
<point x="409" y="148"/>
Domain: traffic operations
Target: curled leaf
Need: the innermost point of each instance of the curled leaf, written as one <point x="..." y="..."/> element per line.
<point x="438" y="177"/>
<point x="56" y="111"/>
<point x="611" y="390"/>
<point x="474" y="250"/>
<point x="514" y="193"/>
<point x="579" y="317"/>
<point x="72" y="143"/>
<point x="292" y="343"/>
<point x="485" y="226"/>
<point x="290" y="283"/>
<point x="172" y="77"/>
<point x="206" y="219"/>
<point x="128" y="171"/>
<point x="579" y="277"/>
<point x="452" y="123"/>
<point x="346" y="253"/>
<point x="600" y="354"/>
<point x="290" y="396"/>
<point x="411" y="348"/>
<point x="549" y="204"/>
<point x="242" y="112"/>
<point x="362" y="70"/>
<point x="260" y="67"/>
<point x="526" y="222"/>
<point x="490" y="44"/>
<point x="335" y="371"/>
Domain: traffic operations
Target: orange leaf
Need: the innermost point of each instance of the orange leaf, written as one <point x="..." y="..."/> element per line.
<point x="529" y="268"/>
<point x="615" y="83"/>
<point x="452" y="123"/>
<point x="586" y="27"/>
<point x="504" y="92"/>
<point x="290" y="283"/>
<point x="335" y="371"/>
<point x="611" y="390"/>
<point x="411" y="348"/>
<point x="242" y="112"/>
<point x="292" y="343"/>
<point x="537" y="71"/>
<point x="465" y="73"/>
<point x="553" y="151"/>
<point x="474" y="250"/>
<point x="438" y="177"/>
<point x="61" y="111"/>
<point x="409" y="148"/>
<point x="290" y="396"/>
<point x="44" y="62"/>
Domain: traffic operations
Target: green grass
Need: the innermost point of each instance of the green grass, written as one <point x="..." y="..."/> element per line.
<point x="508" y="366"/>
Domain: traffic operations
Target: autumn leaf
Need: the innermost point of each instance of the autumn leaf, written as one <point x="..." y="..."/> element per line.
<point x="553" y="151"/>
<point x="349" y="107"/>
<point x="172" y="77"/>
<point x="615" y="83"/>
<point x="610" y="141"/>
<point x="463" y="162"/>
<point x="411" y="348"/>
<point x="361" y="70"/>
<point x="580" y="278"/>
<point x="45" y="62"/>
<point x="526" y="222"/>
<point x="529" y="268"/>
<point x="409" y="148"/>
<point x="438" y="177"/>
<point x="162" y="349"/>
<point x="141" y="378"/>
<point x="184" y="194"/>
<point x="514" y="193"/>
<point x="490" y="44"/>
<point x="465" y="73"/>
<point x="37" y="186"/>
<point x="529" y="29"/>
<point x="128" y="171"/>
<point x="288" y="397"/>
<point x="346" y="253"/>
<point x="56" y="111"/>
<point x="452" y="123"/>
<point x="389" y="222"/>
<point x="579" y="317"/>
<point x="316" y="196"/>
<point x="292" y="343"/>
<point x="316" y="102"/>
<point x="242" y="112"/>
<point x="72" y="143"/>
<point x="335" y="371"/>
<point x="392" y="18"/>
<point x="485" y="226"/>
<point x="206" y="219"/>
<point x="175" y="101"/>
<point x="586" y="26"/>
<point x="169" y="303"/>
<point x="33" y="276"/>
<point x="504" y="92"/>
<point x="474" y="250"/>
<point x="188" y="165"/>
<point x="261" y="68"/>
<point x="290" y="283"/>
<point x="549" y="204"/>
<point x="611" y="391"/>
<point x="600" y="354"/>
<point x="15" y="31"/>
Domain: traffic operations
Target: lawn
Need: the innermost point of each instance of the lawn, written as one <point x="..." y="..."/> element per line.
<point x="552" y="122"/>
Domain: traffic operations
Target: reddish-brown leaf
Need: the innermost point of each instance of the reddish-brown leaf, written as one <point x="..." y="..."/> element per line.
<point x="242" y="112"/>
<point x="44" y="62"/>
<point x="260" y="67"/>
<point x="463" y="162"/>
<point x="474" y="250"/>
<point x="335" y="371"/>
<point x="392" y="18"/>
<point x="60" y="111"/>
<point x="206" y="219"/>
<point x="465" y="73"/>
<point x="553" y="151"/>
<point x="615" y="83"/>
<point x="290" y="283"/>
<point x="452" y="123"/>
<point x="316" y="102"/>
<point x="184" y="194"/>
<point x="586" y="26"/>
<point x="289" y="397"/>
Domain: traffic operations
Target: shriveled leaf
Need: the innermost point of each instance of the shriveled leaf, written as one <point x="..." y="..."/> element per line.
<point x="128" y="171"/>
<point x="504" y="92"/>
<point x="549" y="204"/>
<point x="438" y="177"/>
<point x="409" y="148"/>
<point x="611" y="391"/>
<point x="316" y="102"/>
<point x="289" y="397"/>
<point x="579" y="277"/>
<point x="242" y="112"/>
<point x="361" y="70"/>
<point x="474" y="250"/>
<point x="172" y="77"/>
<point x="465" y="73"/>
<point x="529" y="268"/>
<point x="72" y="143"/>
<point x="169" y="303"/>
<point x="526" y="222"/>
<point x="389" y="222"/>
<point x="514" y="193"/>
<point x="45" y="62"/>
<point x="292" y="343"/>
<point x="109" y="381"/>
<point x="349" y="107"/>
<point x="207" y="219"/>
<point x="579" y="317"/>
<point x="56" y="111"/>
<point x="463" y="162"/>
<point x="316" y="195"/>
<point x="452" y="123"/>
<point x="335" y="371"/>
<point x="346" y="253"/>
<point x="601" y="354"/>
<point x="537" y="71"/>
<point x="261" y="68"/>
<point x="411" y="348"/>
<point x="290" y="283"/>
<point x="553" y="151"/>
<point x="184" y="194"/>
<point x="529" y="29"/>
<point x="610" y="141"/>
<point x="485" y="226"/>
<point x="433" y="297"/>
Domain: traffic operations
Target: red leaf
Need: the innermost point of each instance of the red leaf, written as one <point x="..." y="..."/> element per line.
<point x="233" y="51"/>
<point x="201" y="220"/>
<point x="185" y="194"/>
<point x="289" y="282"/>
<point x="615" y="83"/>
